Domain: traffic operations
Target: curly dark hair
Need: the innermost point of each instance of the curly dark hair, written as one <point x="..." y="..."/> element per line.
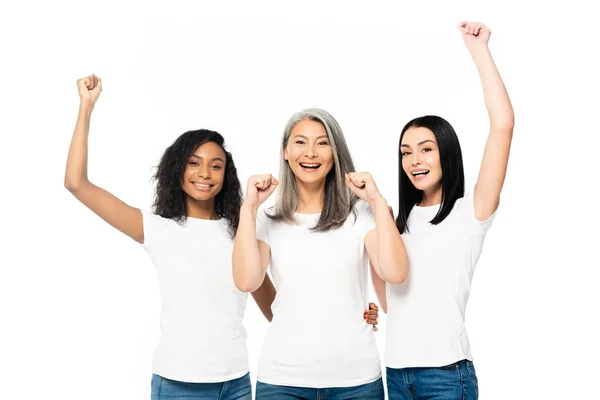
<point x="169" y="199"/>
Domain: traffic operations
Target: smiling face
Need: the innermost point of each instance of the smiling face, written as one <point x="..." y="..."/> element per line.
<point x="308" y="152"/>
<point x="204" y="173"/>
<point x="421" y="159"/>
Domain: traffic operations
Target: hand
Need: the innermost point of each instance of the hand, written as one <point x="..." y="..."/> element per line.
<point x="475" y="34"/>
<point x="89" y="89"/>
<point x="260" y="187"/>
<point x="363" y="185"/>
<point x="371" y="316"/>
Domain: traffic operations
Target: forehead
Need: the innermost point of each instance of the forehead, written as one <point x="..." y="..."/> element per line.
<point x="209" y="150"/>
<point x="414" y="135"/>
<point x="308" y="128"/>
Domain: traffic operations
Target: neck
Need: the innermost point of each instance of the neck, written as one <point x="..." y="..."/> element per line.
<point x="201" y="209"/>
<point x="310" y="197"/>
<point x="431" y="197"/>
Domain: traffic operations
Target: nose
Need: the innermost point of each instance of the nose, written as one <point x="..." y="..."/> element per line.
<point x="310" y="151"/>
<point x="416" y="160"/>
<point x="204" y="172"/>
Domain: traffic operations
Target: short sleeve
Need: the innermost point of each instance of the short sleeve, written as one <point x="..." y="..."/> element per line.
<point x="153" y="225"/>
<point x="467" y="211"/>
<point x="262" y="227"/>
<point x="365" y="220"/>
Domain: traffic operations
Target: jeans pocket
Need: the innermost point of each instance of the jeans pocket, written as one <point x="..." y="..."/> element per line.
<point x="473" y="376"/>
<point x="155" y="387"/>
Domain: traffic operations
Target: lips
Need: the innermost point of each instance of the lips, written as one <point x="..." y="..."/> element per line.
<point x="203" y="187"/>
<point x="310" y="167"/>
<point x="419" y="174"/>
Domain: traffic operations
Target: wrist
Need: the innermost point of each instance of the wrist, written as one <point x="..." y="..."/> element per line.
<point x="378" y="202"/>
<point x="478" y="49"/>
<point x="249" y="208"/>
<point x="86" y="106"/>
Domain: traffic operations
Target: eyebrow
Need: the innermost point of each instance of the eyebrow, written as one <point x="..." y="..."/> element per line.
<point x="304" y="137"/>
<point x="214" y="159"/>
<point x="418" y="144"/>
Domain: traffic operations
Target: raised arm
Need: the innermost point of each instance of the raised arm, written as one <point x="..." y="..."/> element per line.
<point x="250" y="256"/>
<point x="125" y="218"/>
<point x="495" y="156"/>
<point x="384" y="243"/>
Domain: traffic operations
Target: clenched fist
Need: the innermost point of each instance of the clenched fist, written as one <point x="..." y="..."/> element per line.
<point x="89" y="88"/>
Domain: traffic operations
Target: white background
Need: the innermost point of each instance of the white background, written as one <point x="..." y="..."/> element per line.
<point x="79" y="301"/>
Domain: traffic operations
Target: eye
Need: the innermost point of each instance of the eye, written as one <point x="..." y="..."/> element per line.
<point x="217" y="167"/>
<point x="405" y="153"/>
<point x="426" y="150"/>
<point x="299" y="141"/>
<point x="323" y="143"/>
<point x="194" y="163"/>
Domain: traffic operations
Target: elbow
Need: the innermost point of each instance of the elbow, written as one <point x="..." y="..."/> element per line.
<point x="506" y="124"/>
<point x="71" y="185"/>
<point x="74" y="184"/>
<point x="397" y="279"/>
<point x="245" y="285"/>
<point x="398" y="276"/>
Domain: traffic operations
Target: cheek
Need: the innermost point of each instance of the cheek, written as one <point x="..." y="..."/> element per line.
<point x="406" y="165"/>
<point x="328" y="155"/>
<point x="433" y="160"/>
<point x="219" y="177"/>
<point x="189" y="171"/>
<point x="292" y="152"/>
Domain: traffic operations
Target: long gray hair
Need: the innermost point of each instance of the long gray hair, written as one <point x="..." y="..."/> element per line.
<point x="339" y="199"/>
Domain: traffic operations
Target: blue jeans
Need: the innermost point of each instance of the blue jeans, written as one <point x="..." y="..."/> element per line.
<point x="368" y="391"/>
<point x="453" y="382"/>
<point x="235" y="389"/>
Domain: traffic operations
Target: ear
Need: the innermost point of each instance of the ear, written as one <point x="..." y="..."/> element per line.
<point x="285" y="154"/>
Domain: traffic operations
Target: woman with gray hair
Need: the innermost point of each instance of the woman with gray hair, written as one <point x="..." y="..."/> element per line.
<point x="327" y="223"/>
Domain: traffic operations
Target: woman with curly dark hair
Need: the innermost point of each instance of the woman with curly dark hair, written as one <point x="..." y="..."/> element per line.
<point x="189" y="237"/>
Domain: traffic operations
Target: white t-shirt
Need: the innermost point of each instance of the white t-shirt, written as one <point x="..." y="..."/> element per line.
<point x="426" y="313"/>
<point x="203" y="339"/>
<point x="318" y="337"/>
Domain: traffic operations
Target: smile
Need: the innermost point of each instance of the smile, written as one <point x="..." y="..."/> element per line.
<point x="204" y="187"/>
<point x="310" y="167"/>
<point x="419" y="174"/>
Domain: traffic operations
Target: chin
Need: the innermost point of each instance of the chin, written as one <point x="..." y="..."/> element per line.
<point x="311" y="179"/>
<point x="207" y="196"/>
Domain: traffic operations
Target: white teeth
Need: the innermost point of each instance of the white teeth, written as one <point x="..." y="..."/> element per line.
<point x="310" y="165"/>
<point x="204" y="185"/>
<point x="420" y="173"/>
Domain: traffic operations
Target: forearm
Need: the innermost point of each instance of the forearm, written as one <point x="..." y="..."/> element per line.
<point x="248" y="273"/>
<point x="379" y="288"/>
<point x="264" y="297"/>
<point x="76" y="170"/>
<point x="496" y="98"/>
<point x="392" y="261"/>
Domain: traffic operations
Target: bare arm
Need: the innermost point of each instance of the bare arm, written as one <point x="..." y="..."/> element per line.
<point x="250" y="256"/>
<point x="379" y="287"/>
<point x="125" y="218"/>
<point x="264" y="297"/>
<point x="384" y="243"/>
<point x="385" y="246"/>
<point x="495" y="156"/>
